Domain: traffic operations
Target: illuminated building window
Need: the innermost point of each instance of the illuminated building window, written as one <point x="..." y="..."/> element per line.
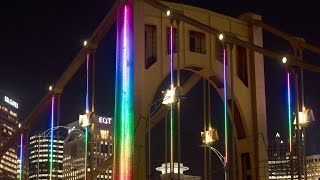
<point x="197" y="42"/>
<point x="150" y="44"/>
<point x="242" y="68"/>
<point x="175" y="40"/>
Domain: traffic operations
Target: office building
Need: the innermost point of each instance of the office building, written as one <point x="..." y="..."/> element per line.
<point x="9" y="123"/>
<point x="279" y="160"/>
<point x="313" y="166"/>
<point x="39" y="157"/>
<point x="77" y="163"/>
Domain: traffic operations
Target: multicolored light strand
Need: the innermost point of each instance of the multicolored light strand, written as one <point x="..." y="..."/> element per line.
<point x="87" y="94"/>
<point x="171" y="104"/>
<point x="124" y="95"/>
<point x="21" y="156"/>
<point x="225" y="107"/>
<point x="51" y="136"/>
<point x="289" y="111"/>
<point x="87" y="123"/>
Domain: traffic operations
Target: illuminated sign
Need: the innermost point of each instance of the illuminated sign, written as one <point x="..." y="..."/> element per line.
<point x="11" y="102"/>
<point x="104" y="120"/>
<point x="71" y="129"/>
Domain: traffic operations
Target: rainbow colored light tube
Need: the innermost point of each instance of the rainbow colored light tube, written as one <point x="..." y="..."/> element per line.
<point x="87" y="94"/>
<point x="124" y="95"/>
<point x="225" y="107"/>
<point x="289" y="111"/>
<point x="21" y="156"/>
<point x="51" y="136"/>
<point x="171" y="105"/>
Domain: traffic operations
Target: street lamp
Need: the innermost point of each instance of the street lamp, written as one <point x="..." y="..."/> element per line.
<point x="305" y="117"/>
<point x="209" y="138"/>
<point x="170" y="96"/>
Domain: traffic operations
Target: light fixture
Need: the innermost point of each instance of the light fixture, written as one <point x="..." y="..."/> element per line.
<point x="169" y="97"/>
<point x="85" y="43"/>
<point x="50" y="88"/>
<point x="168" y="12"/>
<point x="221" y="37"/>
<point x="284" y="60"/>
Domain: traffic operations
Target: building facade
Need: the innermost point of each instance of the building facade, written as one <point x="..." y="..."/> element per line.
<point x="39" y="157"/>
<point x="99" y="147"/>
<point x="279" y="160"/>
<point x="313" y="167"/>
<point x="9" y="123"/>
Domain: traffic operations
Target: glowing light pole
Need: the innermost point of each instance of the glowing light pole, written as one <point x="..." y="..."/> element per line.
<point x="124" y="94"/>
<point x="221" y="38"/>
<point x="51" y="136"/>
<point x="21" y="156"/>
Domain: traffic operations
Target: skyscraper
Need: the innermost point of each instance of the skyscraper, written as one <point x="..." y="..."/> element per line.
<point x="39" y="155"/>
<point x="279" y="161"/>
<point x="8" y="125"/>
<point x="100" y="146"/>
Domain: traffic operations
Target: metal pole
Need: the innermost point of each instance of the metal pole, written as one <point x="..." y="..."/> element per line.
<point x="304" y="152"/>
<point x="204" y="129"/>
<point x="209" y="122"/>
<point x="179" y="102"/>
<point x="165" y="145"/>
<point x="149" y="146"/>
<point x="232" y="114"/>
<point x="296" y="92"/>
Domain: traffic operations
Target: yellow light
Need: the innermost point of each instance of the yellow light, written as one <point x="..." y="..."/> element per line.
<point x="84" y="120"/>
<point x="169" y="97"/>
<point x="284" y="60"/>
<point x="221" y="37"/>
<point x="209" y="137"/>
<point x="168" y="12"/>
<point x="50" y="88"/>
<point x="85" y="43"/>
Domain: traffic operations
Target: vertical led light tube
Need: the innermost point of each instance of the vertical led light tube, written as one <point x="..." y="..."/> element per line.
<point x="289" y="111"/>
<point x="124" y="95"/>
<point x="21" y="156"/>
<point x="225" y="107"/>
<point x="86" y="127"/>
<point x="171" y="104"/>
<point x="87" y="93"/>
<point x="51" y="136"/>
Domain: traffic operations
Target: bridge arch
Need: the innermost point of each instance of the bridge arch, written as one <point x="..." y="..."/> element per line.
<point x="199" y="52"/>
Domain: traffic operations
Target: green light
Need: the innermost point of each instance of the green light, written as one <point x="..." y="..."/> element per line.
<point x="86" y="151"/>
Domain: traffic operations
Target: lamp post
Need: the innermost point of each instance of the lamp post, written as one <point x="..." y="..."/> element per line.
<point x="45" y="134"/>
<point x="168" y="99"/>
<point x="209" y="138"/>
<point x="305" y="117"/>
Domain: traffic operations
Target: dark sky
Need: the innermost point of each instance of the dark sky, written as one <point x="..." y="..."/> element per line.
<point x="40" y="38"/>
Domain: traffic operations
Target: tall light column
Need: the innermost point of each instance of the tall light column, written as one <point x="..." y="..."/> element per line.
<point x="225" y="111"/>
<point x="124" y="95"/>
<point x="51" y="136"/>
<point x="21" y="157"/>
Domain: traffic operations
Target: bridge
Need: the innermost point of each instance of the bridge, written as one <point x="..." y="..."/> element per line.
<point x="226" y="52"/>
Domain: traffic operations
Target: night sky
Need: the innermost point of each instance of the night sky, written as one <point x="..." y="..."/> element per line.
<point x="40" y="38"/>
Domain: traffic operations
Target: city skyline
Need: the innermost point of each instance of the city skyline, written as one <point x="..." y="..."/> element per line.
<point x="47" y="44"/>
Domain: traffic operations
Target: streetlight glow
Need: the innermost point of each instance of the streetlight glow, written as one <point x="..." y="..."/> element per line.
<point x="169" y="97"/>
<point x="284" y="60"/>
<point x="168" y="12"/>
<point x="85" y="43"/>
<point x="50" y="88"/>
<point x="221" y="37"/>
